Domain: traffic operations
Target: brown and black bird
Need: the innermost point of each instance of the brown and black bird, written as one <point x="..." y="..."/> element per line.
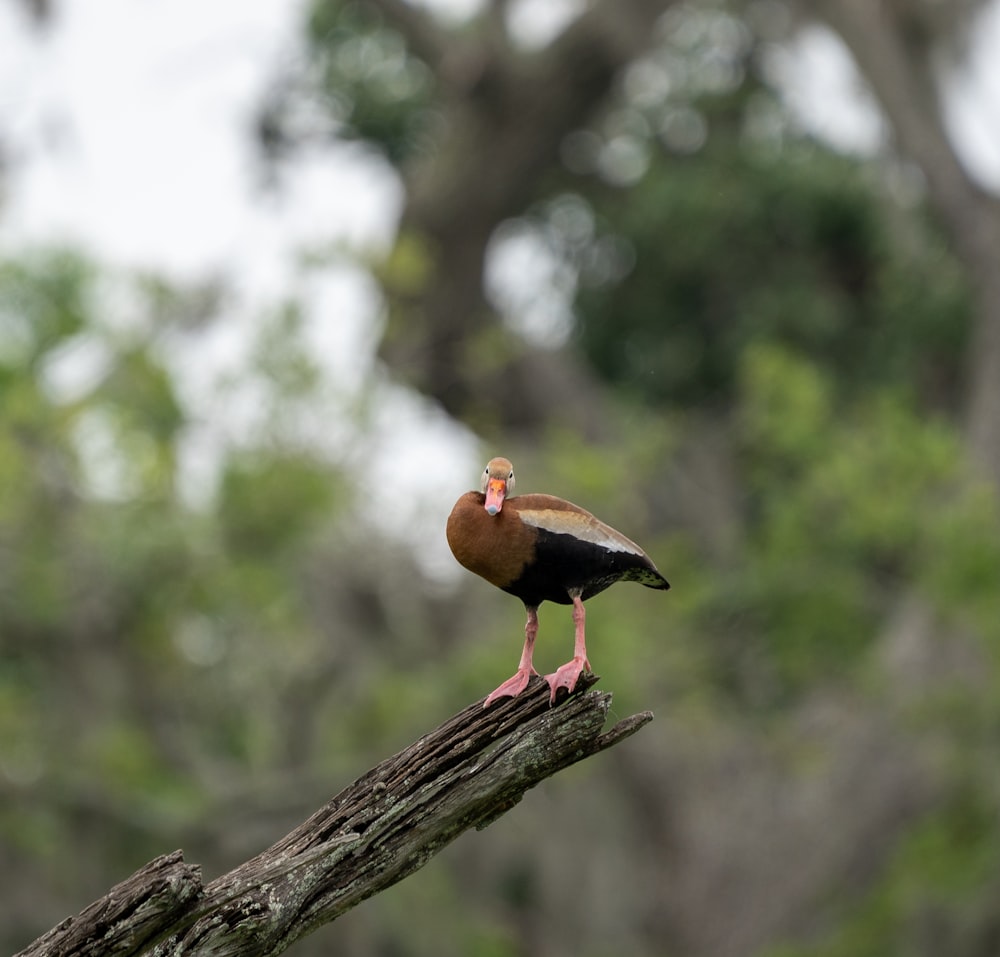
<point x="542" y="548"/>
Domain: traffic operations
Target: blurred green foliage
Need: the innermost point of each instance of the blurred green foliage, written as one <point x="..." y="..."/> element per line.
<point x="374" y="88"/>
<point x="734" y="245"/>
<point x="171" y="658"/>
<point x="204" y="671"/>
<point x="145" y="640"/>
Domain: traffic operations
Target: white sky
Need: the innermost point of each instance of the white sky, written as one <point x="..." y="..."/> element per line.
<point x="99" y="112"/>
<point x="102" y="109"/>
<point x="127" y="126"/>
<point x="822" y="87"/>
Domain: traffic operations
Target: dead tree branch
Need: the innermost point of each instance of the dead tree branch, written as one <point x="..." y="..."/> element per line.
<point x="378" y="830"/>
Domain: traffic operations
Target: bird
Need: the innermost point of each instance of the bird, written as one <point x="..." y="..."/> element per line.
<point x="542" y="548"/>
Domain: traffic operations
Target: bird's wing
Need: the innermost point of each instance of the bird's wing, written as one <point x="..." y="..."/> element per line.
<point x="581" y="525"/>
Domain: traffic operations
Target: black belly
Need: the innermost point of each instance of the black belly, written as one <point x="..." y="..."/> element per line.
<point x="564" y="563"/>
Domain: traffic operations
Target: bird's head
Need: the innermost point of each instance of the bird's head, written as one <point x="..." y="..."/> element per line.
<point x="498" y="483"/>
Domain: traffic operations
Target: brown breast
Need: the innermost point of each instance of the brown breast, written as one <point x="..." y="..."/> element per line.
<point x="496" y="547"/>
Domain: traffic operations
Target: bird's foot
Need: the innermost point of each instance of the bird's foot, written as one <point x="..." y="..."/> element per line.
<point x="567" y="676"/>
<point x="512" y="687"/>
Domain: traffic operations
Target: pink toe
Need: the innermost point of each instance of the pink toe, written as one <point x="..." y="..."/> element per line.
<point x="567" y="676"/>
<point x="512" y="687"/>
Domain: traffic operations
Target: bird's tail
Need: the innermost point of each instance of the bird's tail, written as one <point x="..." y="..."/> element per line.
<point x="649" y="577"/>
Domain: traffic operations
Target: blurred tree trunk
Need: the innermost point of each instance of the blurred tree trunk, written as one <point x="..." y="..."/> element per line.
<point x="895" y="46"/>
<point x="506" y="112"/>
<point x="505" y="115"/>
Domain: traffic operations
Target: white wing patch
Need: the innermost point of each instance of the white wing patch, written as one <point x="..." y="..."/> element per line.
<point x="580" y="525"/>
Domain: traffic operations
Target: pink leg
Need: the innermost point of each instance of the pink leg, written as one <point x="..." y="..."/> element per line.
<point x="567" y="675"/>
<point x="514" y="685"/>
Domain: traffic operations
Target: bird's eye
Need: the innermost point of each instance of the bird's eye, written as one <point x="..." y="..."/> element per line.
<point x="509" y="477"/>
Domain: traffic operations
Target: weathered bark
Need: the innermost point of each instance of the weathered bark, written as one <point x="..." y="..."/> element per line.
<point x="391" y="821"/>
